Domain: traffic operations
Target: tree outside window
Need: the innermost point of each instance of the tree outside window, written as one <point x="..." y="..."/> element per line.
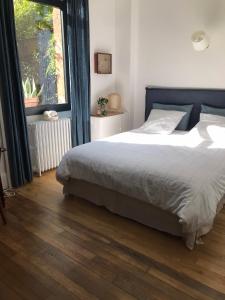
<point x="40" y="47"/>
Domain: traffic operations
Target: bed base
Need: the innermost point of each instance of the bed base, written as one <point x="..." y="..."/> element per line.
<point x="125" y="206"/>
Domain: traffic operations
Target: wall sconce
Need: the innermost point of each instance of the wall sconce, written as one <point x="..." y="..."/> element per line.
<point x="200" y="41"/>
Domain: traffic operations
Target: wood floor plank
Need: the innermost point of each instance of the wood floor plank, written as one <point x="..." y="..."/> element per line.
<point x="66" y="249"/>
<point x="57" y="278"/>
<point x="196" y="294"/>
<point x="7" y="293"/>
<point x="23" y="283"/>
<point x="82" y="276"/>
<point x="58" y="290"/>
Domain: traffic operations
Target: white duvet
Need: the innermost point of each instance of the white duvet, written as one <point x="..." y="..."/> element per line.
<point x="180" y="173"/>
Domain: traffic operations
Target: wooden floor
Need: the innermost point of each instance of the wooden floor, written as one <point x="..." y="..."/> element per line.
<point x="55" y="249"/>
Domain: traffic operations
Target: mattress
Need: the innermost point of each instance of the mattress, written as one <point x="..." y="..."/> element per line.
<point x="178" y="173"/>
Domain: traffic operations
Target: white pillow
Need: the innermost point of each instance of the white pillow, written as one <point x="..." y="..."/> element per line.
<point x="162" y="121"/>
<point x="211" y="127"/>
<point x="212" y="118"/>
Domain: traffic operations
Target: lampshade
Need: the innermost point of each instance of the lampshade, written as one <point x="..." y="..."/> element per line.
<point x="200" y="41"/>
<point x="114" y="102"/>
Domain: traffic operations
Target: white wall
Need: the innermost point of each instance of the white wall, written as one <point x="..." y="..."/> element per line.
<point x="164" y="54"/>
<point x="102" y="39"/>
<point x="110" y="31"/>
<point x="123" y="54"/>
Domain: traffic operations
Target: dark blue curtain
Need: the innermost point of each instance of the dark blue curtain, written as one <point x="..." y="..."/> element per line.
<point x="79" y="56"/>
<point x="12" y="99"/>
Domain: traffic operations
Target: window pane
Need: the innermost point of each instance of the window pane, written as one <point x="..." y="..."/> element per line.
<point x="40" y="46"/>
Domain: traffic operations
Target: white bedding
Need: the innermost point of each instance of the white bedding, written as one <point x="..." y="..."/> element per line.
<point x="181" y="173"/>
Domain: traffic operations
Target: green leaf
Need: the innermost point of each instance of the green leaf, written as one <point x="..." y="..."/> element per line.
<point x="28" y="87"/>
<point x="24" y="89"/>
<point x="34" y="89"/>
<point x="40" y="92"/>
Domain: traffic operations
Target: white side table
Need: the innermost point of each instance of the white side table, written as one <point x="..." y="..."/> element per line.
<point x="105" y="126"/>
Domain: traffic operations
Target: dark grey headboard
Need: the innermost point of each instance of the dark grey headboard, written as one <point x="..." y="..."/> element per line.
<point x="181" y="96"/>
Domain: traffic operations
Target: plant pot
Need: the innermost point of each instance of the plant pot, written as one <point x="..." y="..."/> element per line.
<point x="31" y="102"/>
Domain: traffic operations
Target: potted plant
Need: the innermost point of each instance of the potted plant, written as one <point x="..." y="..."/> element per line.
<point x="31" y="93"/>
<point x="102" y="102"/>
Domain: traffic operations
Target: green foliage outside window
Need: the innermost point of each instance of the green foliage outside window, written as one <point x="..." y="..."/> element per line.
<point x="30" y="19"/>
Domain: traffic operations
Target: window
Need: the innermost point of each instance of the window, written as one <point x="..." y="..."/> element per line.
<point x="40" y="32"/>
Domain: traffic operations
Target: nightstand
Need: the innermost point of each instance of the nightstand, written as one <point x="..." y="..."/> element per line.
<point x="105" y="126"/>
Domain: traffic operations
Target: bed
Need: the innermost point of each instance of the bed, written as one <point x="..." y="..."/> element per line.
<point x="173" y="183"/>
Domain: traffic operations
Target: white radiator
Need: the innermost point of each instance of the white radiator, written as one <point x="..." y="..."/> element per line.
<point x="49" y="141"/>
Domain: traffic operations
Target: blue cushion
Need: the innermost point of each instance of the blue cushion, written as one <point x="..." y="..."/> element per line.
<point x="205" y="109"/>
<point x="184" y="123"/>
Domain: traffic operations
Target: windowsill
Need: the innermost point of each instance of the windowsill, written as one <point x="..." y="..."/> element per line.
<point x="38" y="110"/>
<point x="62" y="114"/>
